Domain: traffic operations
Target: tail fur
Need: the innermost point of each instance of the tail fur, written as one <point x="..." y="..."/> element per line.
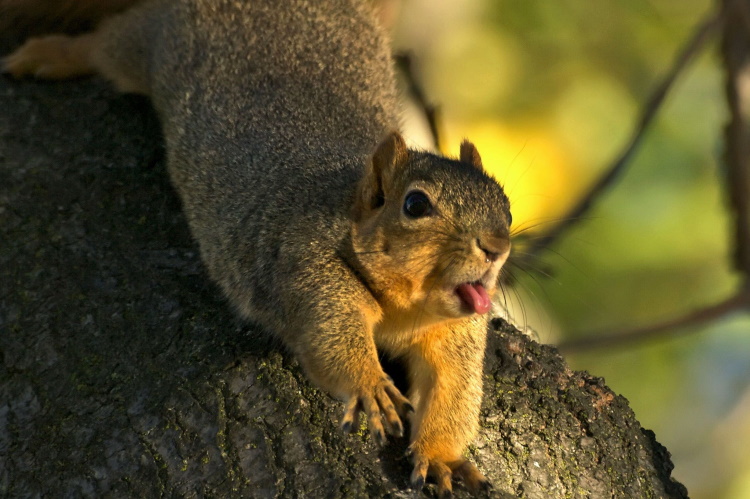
<point x="40" y="16"/>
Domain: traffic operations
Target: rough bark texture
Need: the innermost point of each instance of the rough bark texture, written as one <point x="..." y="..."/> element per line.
<point x="124" y="373"/>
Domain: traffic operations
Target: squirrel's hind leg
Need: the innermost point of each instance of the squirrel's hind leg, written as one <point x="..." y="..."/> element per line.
<point x="53" y="57"/>
<point x="62" y="57"/>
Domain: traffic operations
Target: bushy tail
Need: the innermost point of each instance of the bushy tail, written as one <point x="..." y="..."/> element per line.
<point x="39" y="16"/>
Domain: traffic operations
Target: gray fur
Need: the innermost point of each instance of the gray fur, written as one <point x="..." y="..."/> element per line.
<point x="267" y="135"/>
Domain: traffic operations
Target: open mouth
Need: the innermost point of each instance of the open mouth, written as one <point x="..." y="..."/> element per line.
<point x="474" y="297"/>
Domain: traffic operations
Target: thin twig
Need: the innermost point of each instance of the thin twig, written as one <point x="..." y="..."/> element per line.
<point x="736" y="56"/>
<point x="674" y="327"/>
<point x="697" y="41"/>
<point x="431" y="112"/>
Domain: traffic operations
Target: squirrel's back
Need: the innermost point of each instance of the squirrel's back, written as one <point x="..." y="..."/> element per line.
<point x="275" y="88"/>
<point x="259" y="105"/>
<point x="313" y="71"/>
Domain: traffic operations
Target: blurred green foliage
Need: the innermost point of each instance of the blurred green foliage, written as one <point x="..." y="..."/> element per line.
<point x="549" y="92"/>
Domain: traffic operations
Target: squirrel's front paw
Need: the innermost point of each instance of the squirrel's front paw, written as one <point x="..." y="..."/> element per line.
<point x="443" y="472"/>
<point x="381" y="399"/>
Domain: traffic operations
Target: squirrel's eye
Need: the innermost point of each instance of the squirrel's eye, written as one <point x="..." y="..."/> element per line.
<point x="417" y="205"/>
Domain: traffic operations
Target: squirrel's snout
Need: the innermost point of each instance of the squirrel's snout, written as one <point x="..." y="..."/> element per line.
<point x="493" y="248"/>
<point x="490" y="254"/>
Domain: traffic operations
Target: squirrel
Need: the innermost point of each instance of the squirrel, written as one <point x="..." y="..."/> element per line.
<point x="311" y="213"/>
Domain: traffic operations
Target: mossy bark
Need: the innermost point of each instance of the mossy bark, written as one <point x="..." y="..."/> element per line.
<point x="124" y="373"/>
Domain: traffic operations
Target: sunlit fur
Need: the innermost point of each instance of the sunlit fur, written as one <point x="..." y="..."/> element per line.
<point x="413" y="266"/>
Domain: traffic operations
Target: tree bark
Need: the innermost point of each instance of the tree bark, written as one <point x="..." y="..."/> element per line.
<point x="124" y="373"/>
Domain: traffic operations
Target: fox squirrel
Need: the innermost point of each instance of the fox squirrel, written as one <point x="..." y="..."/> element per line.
<point x="311" y="213"/>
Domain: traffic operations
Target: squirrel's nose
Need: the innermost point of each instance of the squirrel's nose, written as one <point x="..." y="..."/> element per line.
<point x="493" y="246"/>
<point x="490" y="254"/>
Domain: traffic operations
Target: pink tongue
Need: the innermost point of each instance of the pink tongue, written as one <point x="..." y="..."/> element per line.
<point x="475" y="297"/>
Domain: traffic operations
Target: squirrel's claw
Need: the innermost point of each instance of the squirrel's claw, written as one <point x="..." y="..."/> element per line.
<point x="443" y="473"/>
<point x="351" y="415"/>
<point x="437" y="469"/>
<point x="474" y="480"/>
<point x="403" y="406"/>
<point x="383" y="400"/>
<point x="419" y="474"/>
<point x="384" y="396"/>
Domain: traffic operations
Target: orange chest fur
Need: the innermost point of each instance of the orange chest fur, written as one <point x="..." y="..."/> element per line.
<point x="402" y="330"/>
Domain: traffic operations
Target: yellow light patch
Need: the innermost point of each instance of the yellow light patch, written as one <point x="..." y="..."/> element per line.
<point x="535" y="171"/>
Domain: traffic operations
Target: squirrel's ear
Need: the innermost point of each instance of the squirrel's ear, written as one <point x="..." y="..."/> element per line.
<point x="390" y="154"/>
<point x="470" y="155"/>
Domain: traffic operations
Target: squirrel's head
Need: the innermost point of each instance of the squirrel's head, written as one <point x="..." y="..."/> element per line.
<point x="429" y="232"/>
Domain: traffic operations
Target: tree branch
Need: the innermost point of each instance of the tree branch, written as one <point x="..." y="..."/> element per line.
<point x="685" y="324"/>
<point x="431" y="112"/>
<point x="734" y="51"/>
<point x="701" y="35"/>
